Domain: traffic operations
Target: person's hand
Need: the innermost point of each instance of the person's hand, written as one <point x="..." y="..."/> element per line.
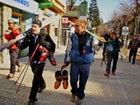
<point x="41" y="48"/>
<point x="53" y="62"/>
<point x="45" y="44"/>
<point x="65" y="64"/>
<point x="102" y="39"/>
<point x="52" y="59"/>
<point x="100" y="43"/>
<point x="12" y="40"/>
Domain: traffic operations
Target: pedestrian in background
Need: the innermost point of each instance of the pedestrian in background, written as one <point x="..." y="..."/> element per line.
<point x="106" y="36"/>
<point x="113" y="55"/>
<point x="133" y="46"/>
<point x="79" y="54"/>
<point x="11" y="34"/>
<point x="45" y="50"/>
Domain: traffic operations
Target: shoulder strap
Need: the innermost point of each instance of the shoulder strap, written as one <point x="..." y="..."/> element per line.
<point x="89" y="41"/>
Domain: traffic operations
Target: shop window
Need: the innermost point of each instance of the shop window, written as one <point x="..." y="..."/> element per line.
<point x="17" y="17"/>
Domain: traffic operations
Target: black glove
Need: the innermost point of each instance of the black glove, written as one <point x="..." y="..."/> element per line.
<point x="106" y="43"/>
<point x="45" y="44"/>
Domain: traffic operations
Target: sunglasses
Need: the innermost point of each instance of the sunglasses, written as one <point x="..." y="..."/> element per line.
<point x="77" y="25"/>
<point x="10" y="23"/>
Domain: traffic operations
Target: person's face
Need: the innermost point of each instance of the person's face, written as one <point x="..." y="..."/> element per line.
<point x="11" y="24"/>
<point x="112" y="35"/>
<point x="35" y="29"/>
<point x="79" y="28"/>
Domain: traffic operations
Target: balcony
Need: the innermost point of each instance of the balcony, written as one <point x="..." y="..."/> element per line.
<point x="58" y="6"/>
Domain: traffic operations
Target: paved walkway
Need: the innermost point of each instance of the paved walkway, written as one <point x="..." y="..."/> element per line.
<point x="122" y="89"/>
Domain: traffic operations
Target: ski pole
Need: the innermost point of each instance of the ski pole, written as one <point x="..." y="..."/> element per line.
<point x="27" y="64"/>
<point x="22" y="79"/>
<point x="27" y="68"/>
<point x="22" y="72"/>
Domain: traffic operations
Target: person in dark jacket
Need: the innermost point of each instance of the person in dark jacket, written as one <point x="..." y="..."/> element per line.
<point x="80" y="54"/>
<point x="133" y="46"/>
<point x="45" y="50"/>
<point x="113" y="55"/>
<point x="104" y="53"/>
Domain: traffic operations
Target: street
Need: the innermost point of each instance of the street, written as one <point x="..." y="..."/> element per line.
<point x="122" y="89"/>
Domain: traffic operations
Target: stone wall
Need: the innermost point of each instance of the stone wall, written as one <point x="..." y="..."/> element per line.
<point x="5" y="14"/>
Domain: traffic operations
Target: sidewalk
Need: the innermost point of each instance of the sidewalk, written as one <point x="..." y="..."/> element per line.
<point x="60" y="50"/>
<point x="122" y="89"/>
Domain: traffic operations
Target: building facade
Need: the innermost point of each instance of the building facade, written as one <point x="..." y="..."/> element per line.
<point x="24" y="12"/>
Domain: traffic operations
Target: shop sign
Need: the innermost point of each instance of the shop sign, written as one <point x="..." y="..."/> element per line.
<point x="45" y="5"/>
<point x="26" y="5"/>
<point x="22" y="2"/>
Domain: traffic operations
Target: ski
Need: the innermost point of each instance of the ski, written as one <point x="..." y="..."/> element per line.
<point x="109" y="46"/>
<point x="8" y="44"/>
<point x="22" y="35"/>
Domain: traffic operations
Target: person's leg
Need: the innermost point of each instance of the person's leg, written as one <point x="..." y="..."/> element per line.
<point x="42" y="81"/>
<point x="104" y="52"/>
<point x="134" y="56"/>
<point x="115" y="60"/>
<point x="36" y="80"/>
<point x="108" y="65"/>
<point x="130" y="55"/>
<point x="84" y="74"/>
<point x="42" y="84"/>
<point x="74" y="72"/>
<point x="13" y="58"/>
<point x="20" y="65"/>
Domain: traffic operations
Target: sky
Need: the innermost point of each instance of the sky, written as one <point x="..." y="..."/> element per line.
<point x="106" y="7"/>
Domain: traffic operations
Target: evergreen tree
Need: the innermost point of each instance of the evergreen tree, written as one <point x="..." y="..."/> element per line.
<point x="94" y="13"/>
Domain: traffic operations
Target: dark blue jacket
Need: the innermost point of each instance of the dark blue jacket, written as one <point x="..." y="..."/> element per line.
<point x="73" y="53"/>
<point x="115" y="44"/>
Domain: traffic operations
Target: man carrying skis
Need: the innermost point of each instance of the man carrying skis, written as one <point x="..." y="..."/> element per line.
<point x="34" y="38"/>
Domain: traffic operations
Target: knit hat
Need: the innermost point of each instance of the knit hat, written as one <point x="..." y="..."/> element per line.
<point x="38" y="22"/>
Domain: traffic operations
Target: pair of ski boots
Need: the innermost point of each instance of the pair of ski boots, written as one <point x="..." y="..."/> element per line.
<point x="61" y="76"/>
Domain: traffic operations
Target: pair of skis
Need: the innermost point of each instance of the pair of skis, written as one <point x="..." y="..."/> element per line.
<point x="22" y="35"/>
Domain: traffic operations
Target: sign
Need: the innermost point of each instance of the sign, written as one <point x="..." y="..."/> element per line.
<point x="125" y="30"/>
<point x="26" y="5"/>
<point x="45" y="5"/>
<point x="22" y="2"/>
